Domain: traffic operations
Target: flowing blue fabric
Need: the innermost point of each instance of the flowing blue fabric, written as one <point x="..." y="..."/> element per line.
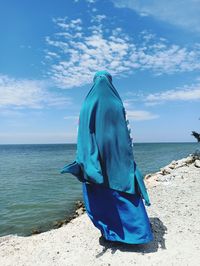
<point x="104" y="148"/>
<point x="118" y="215"/>
<point x="113" y="186"/>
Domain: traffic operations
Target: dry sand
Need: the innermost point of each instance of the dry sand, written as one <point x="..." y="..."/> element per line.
<point x="174" y="213"/>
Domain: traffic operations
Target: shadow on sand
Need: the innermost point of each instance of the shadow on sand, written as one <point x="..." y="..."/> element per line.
<point x="158" y="229"/>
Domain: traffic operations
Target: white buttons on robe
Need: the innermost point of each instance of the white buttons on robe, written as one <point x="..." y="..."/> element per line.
<point x="129" y="128"/>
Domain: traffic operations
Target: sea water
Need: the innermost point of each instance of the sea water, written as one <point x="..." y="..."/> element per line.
<point x="33" y="193"/>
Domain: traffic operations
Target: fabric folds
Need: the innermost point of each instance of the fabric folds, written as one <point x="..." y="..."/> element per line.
<point x="104" y="149"/>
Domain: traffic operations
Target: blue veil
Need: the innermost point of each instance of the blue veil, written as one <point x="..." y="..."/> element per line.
<point x="104" y="148"/>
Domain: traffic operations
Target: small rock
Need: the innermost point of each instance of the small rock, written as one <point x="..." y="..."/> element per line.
<point x="147" y="176"/>
<point x="159" y="172"/>
<point x="79" y="204"/>
<point x="158" y="177"/>
<point x="58" y="224"/>
<point x="171" y="166"/>
<point x="197" y="163"/>
<point x="165" y="170"/>
<point x="36" y="231"/>
<point x="180" y="164"/>
<point x="165" y="178"/>
<point x="80" y="211"/>
<point x="189" y="159"/>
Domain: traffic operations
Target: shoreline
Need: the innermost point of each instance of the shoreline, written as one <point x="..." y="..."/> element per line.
<point x="78" y="210"/>
<point x="173" y="216"/>
<point x="79" y="205"/>
<point x="160" y="175"/>
<point x="155" y="176"/>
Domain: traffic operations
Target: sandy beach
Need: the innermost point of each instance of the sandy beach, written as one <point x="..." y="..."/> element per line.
<point x="175" y="197"/>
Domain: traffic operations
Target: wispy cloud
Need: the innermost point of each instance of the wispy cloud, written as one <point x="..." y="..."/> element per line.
<point x="74" y="54"/>
<point x="28" y="93"/>
<point x="136" y="115"/>
<point x="187" y="93"/>
<point x="88" y="1"/>
<point x="190" y="93"/>
<point x="182" y="13"/>
<point x="74" y="117"/>
<point x="140" y="115"/>
<point x="132" y="98"/>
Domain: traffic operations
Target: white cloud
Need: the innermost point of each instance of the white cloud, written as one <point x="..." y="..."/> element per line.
<point x="187" y="93"/>
<point x="75" y="54"/>
<point x="74" y="117"/>
<point x="27" y="93"/>
<point x="88" y="1"/>
<point x="91" y="1"/>
<point x="140" y="115"/>
<point x="182" y="13"/>
<point x="133" y="97"/>
<point x="136" y="115"/>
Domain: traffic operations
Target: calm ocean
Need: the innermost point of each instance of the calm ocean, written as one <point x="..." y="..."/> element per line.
<point x="33" y="193"/>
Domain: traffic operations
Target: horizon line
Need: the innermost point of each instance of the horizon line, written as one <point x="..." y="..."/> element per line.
<point x="72" y="143"/>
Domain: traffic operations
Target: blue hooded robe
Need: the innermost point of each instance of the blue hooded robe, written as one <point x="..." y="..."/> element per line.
<point x="104" y="153"/>
<point x="112" y="184"/>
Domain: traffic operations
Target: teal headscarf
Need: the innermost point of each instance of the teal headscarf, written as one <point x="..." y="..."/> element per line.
<point x="104" y="148"/>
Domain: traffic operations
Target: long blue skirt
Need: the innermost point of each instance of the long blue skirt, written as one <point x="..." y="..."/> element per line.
<point x="118" y="215"/>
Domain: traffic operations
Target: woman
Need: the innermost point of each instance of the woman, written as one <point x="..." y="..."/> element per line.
<point x="113" y="187"/>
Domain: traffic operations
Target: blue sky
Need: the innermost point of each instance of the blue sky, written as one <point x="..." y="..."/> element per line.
<point x="50" y="51"/>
